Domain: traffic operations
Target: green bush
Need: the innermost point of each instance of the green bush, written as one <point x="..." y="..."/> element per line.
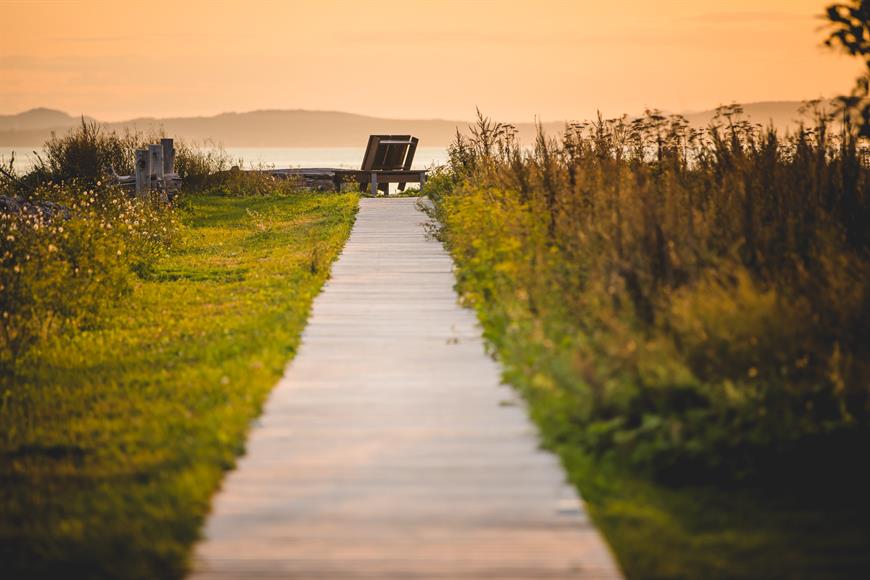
<point x="58" y="274"/>
<point x="197" y="165"/>
<point x="88" y="154"/>
<point x="237" y="183"/>
<point x="209" y="168"/>
<point x="61" y="271"/>
<point x="688" y="301"/>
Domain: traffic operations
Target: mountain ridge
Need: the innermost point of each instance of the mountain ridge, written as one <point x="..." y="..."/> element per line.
<point x="313" y="128"/>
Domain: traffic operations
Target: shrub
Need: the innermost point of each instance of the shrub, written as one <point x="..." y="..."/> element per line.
<point x="61" y="270"/>
<point x="88" y="154"/>
<point x="197" y="165"/>
<point x="238" y="183"/>
<point x="209" y="167"/>
<point x="60" y="274"/>
<point x="685" y="300"/>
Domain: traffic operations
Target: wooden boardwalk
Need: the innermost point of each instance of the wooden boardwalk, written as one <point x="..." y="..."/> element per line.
<point x="390" y="449"/>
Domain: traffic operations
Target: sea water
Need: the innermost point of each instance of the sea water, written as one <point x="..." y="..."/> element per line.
<point x="277" y="157"/>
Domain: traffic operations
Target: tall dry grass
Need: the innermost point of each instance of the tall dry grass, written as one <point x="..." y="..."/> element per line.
<point x="686" y="299"/>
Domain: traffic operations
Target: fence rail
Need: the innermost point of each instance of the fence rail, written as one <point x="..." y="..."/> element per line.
<point x="154" y="171"/>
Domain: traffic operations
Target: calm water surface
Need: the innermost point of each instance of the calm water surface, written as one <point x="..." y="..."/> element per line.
<point x="278" y="157"/>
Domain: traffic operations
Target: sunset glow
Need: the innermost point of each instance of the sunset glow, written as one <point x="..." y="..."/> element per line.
<point x="514" y="60"/>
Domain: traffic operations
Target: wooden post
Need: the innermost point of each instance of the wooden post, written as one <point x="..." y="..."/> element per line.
<point x="168" y="146"/>
<point x="157" y="167"/>
<point x="143" y="172"/>
<point x="374" y="184"/>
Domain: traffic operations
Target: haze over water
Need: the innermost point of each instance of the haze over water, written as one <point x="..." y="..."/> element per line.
<point x="278" y="157"/>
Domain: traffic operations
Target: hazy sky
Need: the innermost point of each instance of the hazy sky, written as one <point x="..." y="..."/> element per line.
<point x="514" y="60"/>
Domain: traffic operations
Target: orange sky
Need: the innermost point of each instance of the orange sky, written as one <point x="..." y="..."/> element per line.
<point x="515" y="60"/>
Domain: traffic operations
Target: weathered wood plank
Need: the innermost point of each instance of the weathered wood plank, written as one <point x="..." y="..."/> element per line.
<point x="390" y="449"/>
<point x="409" y="160"/>
<point x="158" y="183"/>
<point x="168" y="146"/>
<point x="143" y="172"/>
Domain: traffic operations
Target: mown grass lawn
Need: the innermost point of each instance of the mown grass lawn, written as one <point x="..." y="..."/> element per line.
<point x="114" y="440"/>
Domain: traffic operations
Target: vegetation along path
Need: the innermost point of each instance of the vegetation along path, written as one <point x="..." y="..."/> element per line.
<point x="390" y="449"/>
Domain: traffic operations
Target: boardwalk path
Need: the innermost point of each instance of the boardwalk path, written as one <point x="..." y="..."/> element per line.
<point x="389" y="449"/>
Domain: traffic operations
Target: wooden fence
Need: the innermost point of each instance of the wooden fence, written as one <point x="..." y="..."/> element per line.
<point x="154" y="171"/>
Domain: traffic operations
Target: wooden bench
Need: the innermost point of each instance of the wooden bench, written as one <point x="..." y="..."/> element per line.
<point x="387" y="159"/>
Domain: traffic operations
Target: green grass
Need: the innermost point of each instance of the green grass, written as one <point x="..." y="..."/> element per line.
<point x="659" y="531"/>
<point x="114" y="440"/>
<point x="807" y="522"/>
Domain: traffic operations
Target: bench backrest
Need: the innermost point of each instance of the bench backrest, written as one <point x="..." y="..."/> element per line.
<point x="389" y="152"/>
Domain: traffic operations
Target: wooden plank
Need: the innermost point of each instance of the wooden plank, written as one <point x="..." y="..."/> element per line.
<point x="409" y="160"/>
<point x="370" y="158"/>
<point x="394" y="154"/>
<point x="168" y="146"/>
<point x="390" y="449"/>
<point x="157" y="175"/>
<point x="368" y="162"/>
<point x="143" y="172"/>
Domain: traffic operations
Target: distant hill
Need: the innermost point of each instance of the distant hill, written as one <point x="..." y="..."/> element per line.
<point x="300" y="128"/>
<point x="297" y="128"/>
<point x="783" y="115"/>
<point x="36" y="119"/>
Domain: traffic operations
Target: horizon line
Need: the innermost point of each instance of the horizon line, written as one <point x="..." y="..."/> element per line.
<point x="337" y="112"/>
